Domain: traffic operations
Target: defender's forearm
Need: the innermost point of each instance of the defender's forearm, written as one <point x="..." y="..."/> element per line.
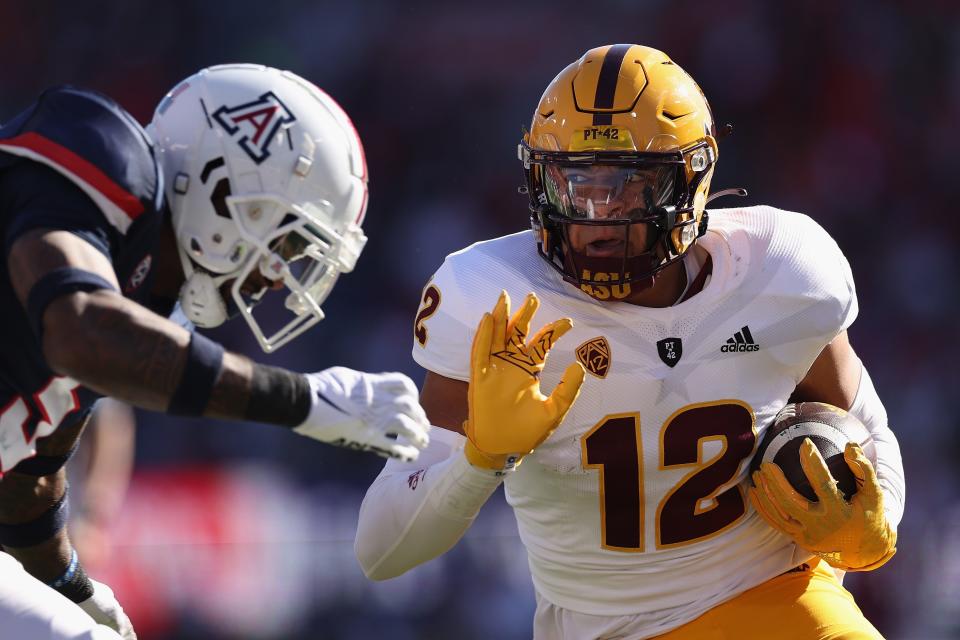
<point x="116" y="347"/>
<point x="127" y="352"/>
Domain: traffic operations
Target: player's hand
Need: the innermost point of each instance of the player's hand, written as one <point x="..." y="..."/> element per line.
<point x="509" y="416"/>
<point x="854" y="535"/>
<point x="378" y="412"/>
<point x="103" y="607"/>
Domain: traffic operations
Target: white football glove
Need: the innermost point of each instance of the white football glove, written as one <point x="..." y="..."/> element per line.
<point x="361" y="411"/>
<point x="103" y="607"/>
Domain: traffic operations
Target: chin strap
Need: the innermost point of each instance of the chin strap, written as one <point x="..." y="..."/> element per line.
<point x="719" y="134"/>
<point x="737" y="191"/>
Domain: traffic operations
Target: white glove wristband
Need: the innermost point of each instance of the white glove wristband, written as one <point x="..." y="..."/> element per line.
<point x="322" y="409"/>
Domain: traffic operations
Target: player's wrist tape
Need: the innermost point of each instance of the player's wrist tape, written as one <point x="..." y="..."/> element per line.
<point x="204" y="361"/>
<point x="40" y="529"/>
<point x="278" y="396"/>
<point x="67" y="575"/>
<point x="56" y="283"/>
<point x="74" y="583"/>
<point x="500" y="464"/>
<point x="41" y="465"/>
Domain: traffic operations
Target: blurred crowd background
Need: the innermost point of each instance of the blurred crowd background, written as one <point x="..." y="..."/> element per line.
<point x="848" y="111"/>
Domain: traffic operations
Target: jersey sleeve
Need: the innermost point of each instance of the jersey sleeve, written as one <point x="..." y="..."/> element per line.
<point x="828" y="276"/>
<point x="851" y="307"/>
<point x="808" y="284"/>
<point x="444" y="326"/>
<point x="34" y="196"/>
<point x="91" y="141"/>
<point x="467" y="285"/>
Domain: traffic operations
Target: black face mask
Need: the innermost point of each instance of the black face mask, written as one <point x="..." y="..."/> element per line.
<point x="599" y="188"/>
<point x="612" y="277"/>
<point x="608" y="277"/>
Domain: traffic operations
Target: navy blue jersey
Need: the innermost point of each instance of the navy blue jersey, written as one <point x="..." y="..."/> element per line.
<point x="75" y="161"/>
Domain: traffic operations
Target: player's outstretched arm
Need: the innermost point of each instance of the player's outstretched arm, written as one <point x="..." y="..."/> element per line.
<point x="414" y="513"/>
<point x="121" y="349"/>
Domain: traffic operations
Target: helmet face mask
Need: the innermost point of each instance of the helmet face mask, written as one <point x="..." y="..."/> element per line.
<point x="267" y="187"/>
<point x="621" y="140"/>
<point x="304" y="253"/>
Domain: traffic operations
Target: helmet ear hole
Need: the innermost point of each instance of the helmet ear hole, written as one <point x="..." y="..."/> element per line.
<point x="219" y="198"/>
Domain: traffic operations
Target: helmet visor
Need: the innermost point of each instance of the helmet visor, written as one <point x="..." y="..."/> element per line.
<point x="609" y="192"/>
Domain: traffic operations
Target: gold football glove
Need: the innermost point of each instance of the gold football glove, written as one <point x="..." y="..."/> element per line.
<point x="854" y="535"/>
<point x="509" y="416"/>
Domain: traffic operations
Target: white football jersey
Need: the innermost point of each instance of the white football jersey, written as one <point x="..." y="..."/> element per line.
<point x="636" y="504"/>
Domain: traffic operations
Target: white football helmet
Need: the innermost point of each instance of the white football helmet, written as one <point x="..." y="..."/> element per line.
<point x="267" y="184"/>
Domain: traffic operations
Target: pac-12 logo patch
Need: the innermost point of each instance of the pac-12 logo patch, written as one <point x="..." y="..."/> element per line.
<point x="254" y="125"/>
<point x="670" y="350"/>
<point x="594" y="355"/>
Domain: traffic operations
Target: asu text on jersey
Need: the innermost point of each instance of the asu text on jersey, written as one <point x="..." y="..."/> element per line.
<point x="643" y="478"/>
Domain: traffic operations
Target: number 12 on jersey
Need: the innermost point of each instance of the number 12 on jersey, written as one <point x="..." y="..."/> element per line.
<point x="614" y="446"/>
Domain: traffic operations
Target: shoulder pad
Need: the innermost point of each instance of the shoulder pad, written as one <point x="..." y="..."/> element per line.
<point x="91" y="140"/>
<point x="802" y="261"/>
<point x="466" y="285"/>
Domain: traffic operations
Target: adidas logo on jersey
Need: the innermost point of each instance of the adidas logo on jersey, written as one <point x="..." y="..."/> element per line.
<point x="741" y="341"/>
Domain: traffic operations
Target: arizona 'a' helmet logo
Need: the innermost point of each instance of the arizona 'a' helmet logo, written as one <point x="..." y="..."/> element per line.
<point x="254" y="125"/>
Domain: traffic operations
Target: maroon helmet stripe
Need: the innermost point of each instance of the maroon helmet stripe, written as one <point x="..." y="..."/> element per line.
<point x="607" y="82"/>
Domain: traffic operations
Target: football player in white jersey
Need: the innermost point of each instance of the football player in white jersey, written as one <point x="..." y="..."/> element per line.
<point x="690" y="331"/>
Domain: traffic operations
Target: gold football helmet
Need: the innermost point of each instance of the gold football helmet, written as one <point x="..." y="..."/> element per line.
<point x="622" y="137"/>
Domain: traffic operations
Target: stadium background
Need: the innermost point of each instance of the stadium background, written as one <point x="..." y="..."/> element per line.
<point x="847" y="111"/>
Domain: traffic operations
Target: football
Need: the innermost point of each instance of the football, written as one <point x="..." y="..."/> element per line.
<point x="830" y="428"/>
